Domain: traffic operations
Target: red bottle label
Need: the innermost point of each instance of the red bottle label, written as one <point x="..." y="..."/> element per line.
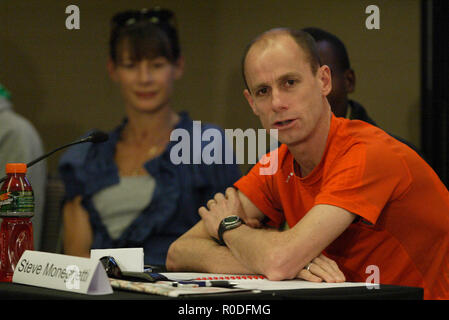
<point x="16" y="237"/>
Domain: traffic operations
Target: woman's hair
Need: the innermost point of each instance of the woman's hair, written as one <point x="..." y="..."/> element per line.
<point x="144" y="34"/>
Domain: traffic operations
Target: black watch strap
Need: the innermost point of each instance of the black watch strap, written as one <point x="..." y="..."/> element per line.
<point x="226" y="224"/>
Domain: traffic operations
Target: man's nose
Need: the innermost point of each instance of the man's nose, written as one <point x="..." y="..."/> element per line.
<point x="278" y="101"/>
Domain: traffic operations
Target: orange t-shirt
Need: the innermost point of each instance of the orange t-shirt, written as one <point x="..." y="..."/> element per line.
<point x="403" y="207"/>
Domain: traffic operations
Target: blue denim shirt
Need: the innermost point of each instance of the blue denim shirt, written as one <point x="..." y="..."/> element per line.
<point x="180" y="190"/>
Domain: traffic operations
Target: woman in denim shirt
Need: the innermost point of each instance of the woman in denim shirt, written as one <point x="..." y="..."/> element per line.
<point x="127" y="192"/>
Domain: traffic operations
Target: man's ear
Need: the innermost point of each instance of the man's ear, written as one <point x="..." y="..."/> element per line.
<point x="250" y="100"/>
<point x="326" y="79"/>
<point x="349" y="80"/>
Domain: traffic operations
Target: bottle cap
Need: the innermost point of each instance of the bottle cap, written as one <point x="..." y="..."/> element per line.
<point x="16" y="168"/>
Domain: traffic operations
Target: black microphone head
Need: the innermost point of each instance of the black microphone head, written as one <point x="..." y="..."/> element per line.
<point x="97" y="137"/>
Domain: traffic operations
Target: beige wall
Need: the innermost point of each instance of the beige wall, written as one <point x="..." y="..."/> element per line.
<point x="58" y="77"/>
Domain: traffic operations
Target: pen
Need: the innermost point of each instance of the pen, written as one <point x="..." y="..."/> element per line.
<point x="209" y="283"/>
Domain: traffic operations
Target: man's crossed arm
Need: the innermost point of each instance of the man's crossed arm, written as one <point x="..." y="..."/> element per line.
<point x="254" y="249"/>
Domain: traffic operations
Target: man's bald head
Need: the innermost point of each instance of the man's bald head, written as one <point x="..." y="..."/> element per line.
<point x="268" y="38"/>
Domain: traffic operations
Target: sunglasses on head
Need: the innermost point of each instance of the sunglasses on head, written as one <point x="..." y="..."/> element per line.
<point x="155" y="15"/>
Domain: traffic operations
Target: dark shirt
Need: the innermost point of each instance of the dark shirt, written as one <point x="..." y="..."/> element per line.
<point x="358" y="112"/>
<point x="180" y="191"/>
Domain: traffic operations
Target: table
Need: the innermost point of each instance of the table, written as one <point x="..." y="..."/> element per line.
<point x="384" y="292"/>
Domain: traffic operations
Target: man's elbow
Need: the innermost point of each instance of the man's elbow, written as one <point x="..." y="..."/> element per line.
<point x="278" y="266"/>
<point x="172" y="260"/>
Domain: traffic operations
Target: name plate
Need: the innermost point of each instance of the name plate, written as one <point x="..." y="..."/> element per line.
<point x="62" y="272"/>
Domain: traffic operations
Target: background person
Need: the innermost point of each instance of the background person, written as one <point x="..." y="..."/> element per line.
<point x="126" y="192"/>
<point x="20" y="142"/>
<point x="333" y="53"/>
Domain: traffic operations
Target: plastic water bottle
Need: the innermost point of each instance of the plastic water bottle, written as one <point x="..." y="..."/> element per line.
<point x="16" y="210"/>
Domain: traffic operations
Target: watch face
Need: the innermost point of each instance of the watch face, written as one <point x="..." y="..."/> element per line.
<point x="231" y="219"/>
<point x="228" y="223"/>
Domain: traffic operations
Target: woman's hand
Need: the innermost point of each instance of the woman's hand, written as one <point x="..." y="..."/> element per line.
<point x="77" y="229"/>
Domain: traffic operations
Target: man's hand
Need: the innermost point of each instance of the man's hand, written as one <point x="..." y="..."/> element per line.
<point x="322" y="268"/>
<point x="222" y="206"/>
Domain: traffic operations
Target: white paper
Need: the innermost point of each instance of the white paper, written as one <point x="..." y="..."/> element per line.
<point x="62" y="272"/>
<point x="166" y="289"/>
<point x="255" y="282"/>
<point x="128" y="259"/>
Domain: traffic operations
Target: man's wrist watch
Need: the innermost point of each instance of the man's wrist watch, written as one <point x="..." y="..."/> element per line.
<point x="228" y="223"/>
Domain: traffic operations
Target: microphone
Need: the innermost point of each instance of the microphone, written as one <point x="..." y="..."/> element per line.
<point x="95" y="137"/>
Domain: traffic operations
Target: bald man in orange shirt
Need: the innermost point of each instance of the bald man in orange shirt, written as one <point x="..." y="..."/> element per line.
<point x="351" y="194"/>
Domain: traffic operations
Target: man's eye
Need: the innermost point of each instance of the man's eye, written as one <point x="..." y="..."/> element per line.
<point x="262" y="91"/>
<point x="290" y="82"/>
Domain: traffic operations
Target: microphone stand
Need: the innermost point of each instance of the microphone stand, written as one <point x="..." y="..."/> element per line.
<point x="29" y="164"/>
<point x="95" y="137"/>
